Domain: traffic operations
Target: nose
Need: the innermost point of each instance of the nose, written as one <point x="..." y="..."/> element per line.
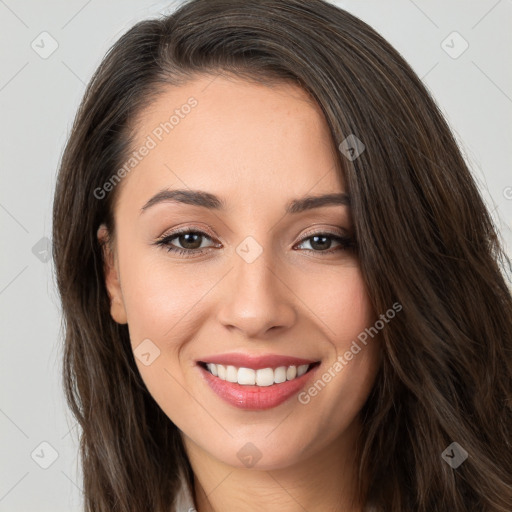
<point x="256" y="299"/>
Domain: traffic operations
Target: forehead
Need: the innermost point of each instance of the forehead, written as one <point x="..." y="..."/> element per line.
<point x="234" y="138"/>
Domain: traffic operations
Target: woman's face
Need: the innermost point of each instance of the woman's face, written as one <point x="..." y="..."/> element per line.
<point x="252" y="288"/>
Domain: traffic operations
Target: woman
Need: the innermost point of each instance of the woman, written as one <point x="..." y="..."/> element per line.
<point x="338" y="335"/>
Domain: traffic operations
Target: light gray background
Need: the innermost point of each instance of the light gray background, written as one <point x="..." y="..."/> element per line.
<point x="38" y="99"/>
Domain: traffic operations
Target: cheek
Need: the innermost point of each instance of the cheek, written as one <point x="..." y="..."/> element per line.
<point x="340" y="301"/>
<point x="162" y="304"/>
<point x="161" y="297"/>
<point x="351" y="366"/>
<point x="359" y="353"/>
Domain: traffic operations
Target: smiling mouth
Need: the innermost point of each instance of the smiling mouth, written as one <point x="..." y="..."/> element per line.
<point x="262" y="377"/>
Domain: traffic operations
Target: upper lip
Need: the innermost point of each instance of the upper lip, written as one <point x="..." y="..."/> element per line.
<point x="255" y="362"/>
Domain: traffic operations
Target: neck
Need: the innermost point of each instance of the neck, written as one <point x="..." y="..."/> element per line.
<point x="325" y="481"/>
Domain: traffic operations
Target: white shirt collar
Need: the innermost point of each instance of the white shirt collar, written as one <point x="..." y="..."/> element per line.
<point x="184" y="500"/>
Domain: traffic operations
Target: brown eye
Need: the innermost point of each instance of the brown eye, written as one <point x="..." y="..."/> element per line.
<point x="189" y="240"/>
<point x="322" y="242"/>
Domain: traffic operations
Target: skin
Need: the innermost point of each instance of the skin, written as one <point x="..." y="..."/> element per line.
<point x="257" y="147"/>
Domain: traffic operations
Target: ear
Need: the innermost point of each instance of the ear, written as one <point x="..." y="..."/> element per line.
<point x="112" y="282"/>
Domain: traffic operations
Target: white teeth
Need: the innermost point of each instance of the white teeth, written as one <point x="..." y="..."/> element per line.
<point x="263" y="377"/>
<point x="280" y="374"/>
<point x="246" y="376"/>
<point x="231" y="374"/>
<point x="221" y="371"/>
<point x="291" y="372"/>
<point x="302" y="369"/>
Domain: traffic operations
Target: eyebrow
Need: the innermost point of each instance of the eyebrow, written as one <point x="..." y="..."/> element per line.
<point x="213" y="202"/>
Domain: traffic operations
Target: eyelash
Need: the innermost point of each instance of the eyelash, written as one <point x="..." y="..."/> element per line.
<point x="165" y="242"/>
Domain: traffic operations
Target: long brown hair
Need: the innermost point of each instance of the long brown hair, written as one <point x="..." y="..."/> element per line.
<point x="425" y="240"/>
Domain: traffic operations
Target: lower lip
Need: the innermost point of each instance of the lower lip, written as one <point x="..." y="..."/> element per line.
<point x="256" y="397"/>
